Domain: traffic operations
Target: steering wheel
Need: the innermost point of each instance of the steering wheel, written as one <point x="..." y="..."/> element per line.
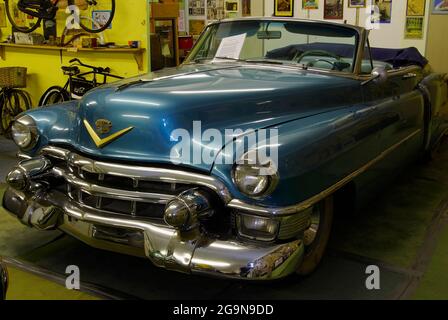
<point x="299" y="57"/>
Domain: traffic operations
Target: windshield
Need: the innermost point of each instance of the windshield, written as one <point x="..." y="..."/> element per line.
<point x="308" y="44"/>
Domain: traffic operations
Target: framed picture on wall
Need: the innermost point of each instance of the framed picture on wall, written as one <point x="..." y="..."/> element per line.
<point x="284" y="8"/>
<point x="2" y="15"/>
<point x="439" y="6"/>
<point x="382" y="11"/>
<point x="416" y="8"/>
<point x="357" y="3"/>
<point x="334" y="9"/>
<point x="100" y="18"/>
<point x="414" y="28"/>
<point x="310" y="4"/>
<point x="247" y="10"/>
<point x="231" y="6"/>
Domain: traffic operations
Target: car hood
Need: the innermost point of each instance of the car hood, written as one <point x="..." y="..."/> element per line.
<point x="220" y="96"/>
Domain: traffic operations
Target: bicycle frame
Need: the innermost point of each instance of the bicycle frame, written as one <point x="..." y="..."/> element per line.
<point x="69" y="87"/>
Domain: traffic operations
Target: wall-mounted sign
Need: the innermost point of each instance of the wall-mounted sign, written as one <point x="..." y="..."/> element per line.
<point x="284" y="8"/>
<point x="334" y="9"/>
<point x="414" y="28"/>
<point x="440" y="7"/>
<point x="416" y="8"/>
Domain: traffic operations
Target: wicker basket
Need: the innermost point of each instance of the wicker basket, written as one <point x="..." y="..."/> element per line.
<point x="13" y="77"/>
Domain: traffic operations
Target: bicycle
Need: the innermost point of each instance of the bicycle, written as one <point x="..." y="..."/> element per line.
<point x="13" y="101"/>
<point x="27" y="15"/>
<point x="77" y="85"/>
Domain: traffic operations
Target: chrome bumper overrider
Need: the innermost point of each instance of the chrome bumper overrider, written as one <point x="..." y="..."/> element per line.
<point x="192" y="251"/>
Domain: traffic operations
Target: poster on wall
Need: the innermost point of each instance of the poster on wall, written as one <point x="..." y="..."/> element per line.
<point x="247" y="9"/>
<point x="181" y="21"/>
<point x="310" y="4"/>
<point x="2" y="15"/>
<point x="416" y="8"/>
<point x="196" y="27"/>
<point x="100" y="18"/>
<point x="284" y="8"/>
<point x="334" y="9"/>
<point x="414" y="28"/>
<point x="215" y="10"/>
<point x="196" y="8"/>
<point x="382" y="11"/>
<point x="356" y="3"/>
<point x="439" y="6"/>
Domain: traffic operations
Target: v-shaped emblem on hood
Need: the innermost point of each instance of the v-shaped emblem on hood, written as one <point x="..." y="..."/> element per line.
<point x="101" y="143"/>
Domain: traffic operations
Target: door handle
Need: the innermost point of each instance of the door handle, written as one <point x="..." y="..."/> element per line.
<point x="409" y="75"/>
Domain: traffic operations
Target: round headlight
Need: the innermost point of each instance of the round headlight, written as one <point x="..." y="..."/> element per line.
<point x="253" y="180"/>
<point x="24" y="132"/>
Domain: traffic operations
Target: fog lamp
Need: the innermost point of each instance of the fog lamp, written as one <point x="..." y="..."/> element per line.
<point x="257" y="228"/>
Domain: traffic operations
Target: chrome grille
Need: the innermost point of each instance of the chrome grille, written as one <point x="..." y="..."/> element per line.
<point x="116" y="194"/>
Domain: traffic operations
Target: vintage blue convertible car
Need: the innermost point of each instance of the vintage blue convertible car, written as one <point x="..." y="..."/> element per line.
<point x="138" y="166"/>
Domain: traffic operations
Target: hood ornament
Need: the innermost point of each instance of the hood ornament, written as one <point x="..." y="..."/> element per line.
<point x="104" y="126"/>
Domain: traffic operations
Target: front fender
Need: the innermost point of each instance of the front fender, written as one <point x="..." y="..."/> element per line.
<point x="58" y="123"/>
<point x="313" y="153"/>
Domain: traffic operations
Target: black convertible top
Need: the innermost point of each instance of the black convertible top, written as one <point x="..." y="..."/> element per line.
<point x="396" y="57"/>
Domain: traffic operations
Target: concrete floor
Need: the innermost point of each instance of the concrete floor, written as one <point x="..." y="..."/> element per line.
<point x="397" y="234"/>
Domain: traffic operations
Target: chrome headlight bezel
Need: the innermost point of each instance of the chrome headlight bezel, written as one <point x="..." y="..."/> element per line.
<point x="24" y="132"/>
<point x="270" y="181"/>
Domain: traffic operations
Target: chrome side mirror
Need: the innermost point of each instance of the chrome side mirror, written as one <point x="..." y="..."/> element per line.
<point x="378" y="74"/>
<point x="3" y="281"/>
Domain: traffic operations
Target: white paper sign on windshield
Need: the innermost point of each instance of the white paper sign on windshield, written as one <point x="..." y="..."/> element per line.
<point x="231" y="47"/>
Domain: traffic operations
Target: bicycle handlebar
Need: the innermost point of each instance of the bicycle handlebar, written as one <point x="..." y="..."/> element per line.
<point x="96" y="69"/>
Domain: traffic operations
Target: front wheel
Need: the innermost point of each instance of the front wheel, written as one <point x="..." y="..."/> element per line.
<point x="317" y="235"/>
<point x="102" y="13"/>
<point x="54" y="95"/>
<point x="19" y="20"/>
<point x="13" y="102"/>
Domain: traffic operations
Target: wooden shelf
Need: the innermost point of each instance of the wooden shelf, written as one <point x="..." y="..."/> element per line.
<point x="137" y="52"/>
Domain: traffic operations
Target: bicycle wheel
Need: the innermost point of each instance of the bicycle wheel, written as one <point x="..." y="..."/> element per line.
<point x="20" y="20"/>
<point x="54" y="95"/>
<point x="102" y="11"/>
<point x="14" y="102"/>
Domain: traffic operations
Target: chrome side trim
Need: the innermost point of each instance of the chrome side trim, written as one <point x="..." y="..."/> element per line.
<point x="139" y="172"/>
<point x="282" y="211"/>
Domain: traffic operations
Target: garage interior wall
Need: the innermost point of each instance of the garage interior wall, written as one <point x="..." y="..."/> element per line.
<point x="437" y="48"/>
<point x="387" y="36"/>
<point x="44" y="66"/>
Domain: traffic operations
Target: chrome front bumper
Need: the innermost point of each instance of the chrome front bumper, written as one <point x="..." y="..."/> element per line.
<point x="191" y="252"/>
